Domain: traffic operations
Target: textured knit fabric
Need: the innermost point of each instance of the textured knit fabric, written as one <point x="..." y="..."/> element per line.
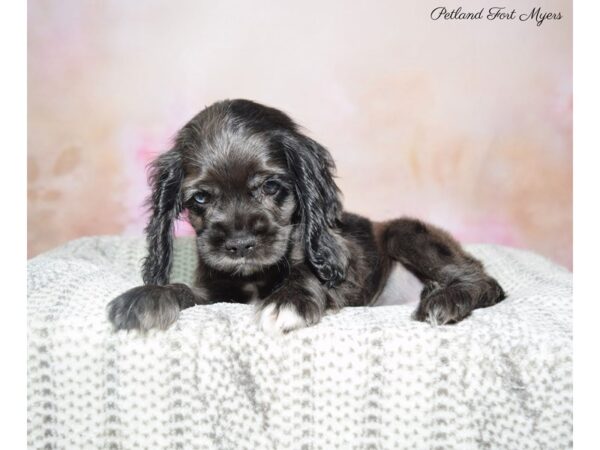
<point x="362" y="378"/>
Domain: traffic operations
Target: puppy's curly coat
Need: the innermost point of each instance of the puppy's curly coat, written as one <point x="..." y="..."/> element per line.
<point x="271" y="231"/>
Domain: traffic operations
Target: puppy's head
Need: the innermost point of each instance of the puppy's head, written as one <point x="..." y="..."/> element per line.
<point x="251" y="182"/>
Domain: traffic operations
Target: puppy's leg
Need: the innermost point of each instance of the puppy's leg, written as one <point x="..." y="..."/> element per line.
<point x="152" y="306"/>
<point x="455" y="283"/>
<point x="298" y="303"/>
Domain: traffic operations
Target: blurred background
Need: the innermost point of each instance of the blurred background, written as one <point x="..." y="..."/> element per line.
<point x="464" y="124"/>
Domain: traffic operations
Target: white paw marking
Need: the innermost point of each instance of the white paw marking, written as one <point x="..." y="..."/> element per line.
<point x="433" y="316"/>
<point x="276" y="323"/>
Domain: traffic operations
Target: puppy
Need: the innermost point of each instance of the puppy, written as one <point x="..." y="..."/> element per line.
<point x="270" y="230"/>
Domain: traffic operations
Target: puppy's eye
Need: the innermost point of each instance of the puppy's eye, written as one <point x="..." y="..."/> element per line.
<point x="271" y="187"/>
<point x="201" y="198"/>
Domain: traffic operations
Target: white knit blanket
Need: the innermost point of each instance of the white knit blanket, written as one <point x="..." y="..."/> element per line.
<point x="362" y="378"/>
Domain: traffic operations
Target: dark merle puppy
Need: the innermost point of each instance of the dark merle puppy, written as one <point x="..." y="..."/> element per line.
<point x="271" y="231"/>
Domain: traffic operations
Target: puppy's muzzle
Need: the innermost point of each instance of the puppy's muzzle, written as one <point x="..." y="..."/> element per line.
<point x="240" y="246"/>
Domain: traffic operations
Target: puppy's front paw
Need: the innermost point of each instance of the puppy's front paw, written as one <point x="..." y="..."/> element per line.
<point x="278" y="319"/>
<point x="443" y="305"/>
<point x="145" y="307"/>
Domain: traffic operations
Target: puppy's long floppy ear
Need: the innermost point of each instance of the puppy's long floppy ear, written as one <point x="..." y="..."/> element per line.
<point x="319" y="206"/>
<point x="166" y="176"/>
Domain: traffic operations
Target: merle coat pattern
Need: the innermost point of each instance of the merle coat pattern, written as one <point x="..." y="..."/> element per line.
<point x="271" y="230"/>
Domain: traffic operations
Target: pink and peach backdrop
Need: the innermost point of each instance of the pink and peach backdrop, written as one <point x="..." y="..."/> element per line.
<point x="464" y="124"/>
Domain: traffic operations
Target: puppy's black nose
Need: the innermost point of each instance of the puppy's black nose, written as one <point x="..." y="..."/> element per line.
<point x="240" y="246"/>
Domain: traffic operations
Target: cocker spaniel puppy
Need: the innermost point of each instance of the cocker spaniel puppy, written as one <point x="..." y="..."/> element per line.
<point x="271" y="231"/>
